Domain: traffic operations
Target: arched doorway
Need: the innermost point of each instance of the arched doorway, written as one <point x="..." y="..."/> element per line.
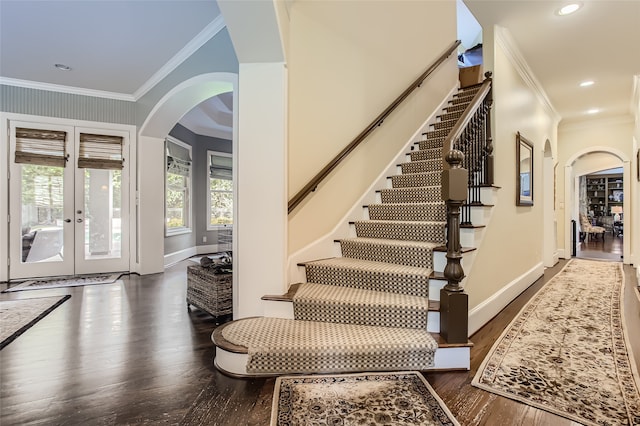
<point x="588" y="162"/>
<point x="162" y="118"/>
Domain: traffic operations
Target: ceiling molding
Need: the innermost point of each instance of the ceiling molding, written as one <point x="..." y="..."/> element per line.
<point x="66" y="89"/>
<point x="505" y="41"/>
<point x="189" y="49"/>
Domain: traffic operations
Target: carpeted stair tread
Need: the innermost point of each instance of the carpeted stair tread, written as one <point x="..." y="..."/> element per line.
<point x="426" y="154"/>
<point x="422" y="166"/>
<point x="285" y="346"/>
<point x="444" y="124"/>
<point x="346" y="305"/>
<point x="424" y="194"/>
<point x="413" y="180"/>
<point x="402" y="230"/>
<point x="434" y="211"/>
<point x="370" y="275"/>
<point x="402" y="252"/>
<point x="431" y="144"/>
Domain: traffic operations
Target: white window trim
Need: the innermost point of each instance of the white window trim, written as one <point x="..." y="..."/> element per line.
<point x="211" y="227"/>
<point x="185" y="229"/>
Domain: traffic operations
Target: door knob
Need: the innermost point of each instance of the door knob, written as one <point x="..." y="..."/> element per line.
<point x="67" y="220"/>
<point x="79" y="220"/>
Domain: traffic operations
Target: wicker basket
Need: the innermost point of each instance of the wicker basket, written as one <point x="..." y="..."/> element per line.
<point x="210" y="292"/>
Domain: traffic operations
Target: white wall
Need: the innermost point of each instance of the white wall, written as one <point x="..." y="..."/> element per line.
<point x="261" y="203"/>
<point x="510" y="256"/>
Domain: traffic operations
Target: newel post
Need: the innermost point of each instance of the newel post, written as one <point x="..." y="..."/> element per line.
<point x="454" y="302"/>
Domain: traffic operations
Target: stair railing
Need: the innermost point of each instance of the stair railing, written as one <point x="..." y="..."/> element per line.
<point x="468" y="165"/>
<point x="326" y="170"/>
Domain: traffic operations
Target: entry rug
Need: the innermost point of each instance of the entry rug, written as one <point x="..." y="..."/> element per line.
<point x="64" y="282"/>
<point x="17" y="316"/>
<point x="398" y="398"/>
<point x="566" y="352"/>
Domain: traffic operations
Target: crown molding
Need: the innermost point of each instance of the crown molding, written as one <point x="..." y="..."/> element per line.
<point x="505" y="41"/>
<point x="189" y="49"/>
<point x="66" y="89"/>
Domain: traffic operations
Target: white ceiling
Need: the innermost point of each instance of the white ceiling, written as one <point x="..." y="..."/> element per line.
<point x="120" y="48"/>
<point x="599" y="42"/>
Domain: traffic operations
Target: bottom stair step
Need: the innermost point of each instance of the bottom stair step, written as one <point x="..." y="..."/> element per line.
<point x="286" y="346"/>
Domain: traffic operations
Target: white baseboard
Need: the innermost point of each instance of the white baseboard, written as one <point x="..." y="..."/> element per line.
<point x="485" y="311"/>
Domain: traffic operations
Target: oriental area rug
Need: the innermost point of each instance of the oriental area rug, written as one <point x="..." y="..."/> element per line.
<point x="386" y="398"/>
<point x="567" y="350"/>
<point x="17" y="316"/>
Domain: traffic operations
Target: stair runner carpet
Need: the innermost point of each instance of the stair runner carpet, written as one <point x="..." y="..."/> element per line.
<point x="366" y="310"/>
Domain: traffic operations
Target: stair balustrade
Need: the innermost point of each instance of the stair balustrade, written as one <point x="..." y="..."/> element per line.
<point x="468" y="165"/>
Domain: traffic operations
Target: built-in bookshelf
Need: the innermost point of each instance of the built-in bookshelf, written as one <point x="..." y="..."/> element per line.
<point x="603" y="193"/>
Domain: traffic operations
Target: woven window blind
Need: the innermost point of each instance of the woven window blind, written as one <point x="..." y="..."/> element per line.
<point x="178" y="159"/>
<point x="100" y="152"/>
<point x="41" y="147"/>
<point x="220" y="167"/>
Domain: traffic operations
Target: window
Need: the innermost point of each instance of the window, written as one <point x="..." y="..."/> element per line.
<point x="220" y="203"/>
<point x="177" y="187"/>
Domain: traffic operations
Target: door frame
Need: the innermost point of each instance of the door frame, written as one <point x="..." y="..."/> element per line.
<point x="5" y="118"/>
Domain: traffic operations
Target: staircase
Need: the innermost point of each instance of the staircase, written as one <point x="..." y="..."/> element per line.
<point x="375" y="308"/>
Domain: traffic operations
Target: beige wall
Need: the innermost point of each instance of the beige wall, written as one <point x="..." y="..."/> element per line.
<point x="347" y="61"/>
<point x="512" y="247"/>
<point x="587" y="147"/>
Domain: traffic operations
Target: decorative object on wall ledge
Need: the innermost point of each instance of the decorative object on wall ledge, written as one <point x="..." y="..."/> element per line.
<point x="567" y="351"/>
<point x="524" y="171"/>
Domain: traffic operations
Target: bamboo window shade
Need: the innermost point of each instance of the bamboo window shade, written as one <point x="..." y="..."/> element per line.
<point x="41" y="147"/>
<point x="178" y="159"/>
<point x="221" y="167"/>
<point x="100" y="152"/>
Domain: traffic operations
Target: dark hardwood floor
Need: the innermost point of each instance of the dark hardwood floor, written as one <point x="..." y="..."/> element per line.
<point x="131" y="354"/>
<point x="610" y="248"/>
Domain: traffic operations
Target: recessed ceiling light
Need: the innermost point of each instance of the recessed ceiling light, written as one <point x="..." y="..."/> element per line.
<point x="569" y="9"/>
<point x="63" y="67"/>
<point x="587" y="83"/>
<point x="593" y="111"/>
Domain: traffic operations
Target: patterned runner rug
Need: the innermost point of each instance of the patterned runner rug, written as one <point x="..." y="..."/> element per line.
<point x="17" y="316"/>
<point x="398" y="398"/>
<point x="566" y="352"/>
<point x="64" y="282"/>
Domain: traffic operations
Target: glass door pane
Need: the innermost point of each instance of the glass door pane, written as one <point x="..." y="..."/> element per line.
<point x="41" y="212"/>
<point x="102" y="209"/>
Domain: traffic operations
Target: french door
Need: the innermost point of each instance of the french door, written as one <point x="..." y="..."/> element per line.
<point x="69" y="201"/>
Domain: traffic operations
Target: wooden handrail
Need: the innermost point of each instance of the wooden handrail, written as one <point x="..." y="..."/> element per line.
<point x="313" y="183"/>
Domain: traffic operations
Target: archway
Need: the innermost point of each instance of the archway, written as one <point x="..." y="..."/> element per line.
<point x="615" y="158"/>
<point x="165" y="114"/>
